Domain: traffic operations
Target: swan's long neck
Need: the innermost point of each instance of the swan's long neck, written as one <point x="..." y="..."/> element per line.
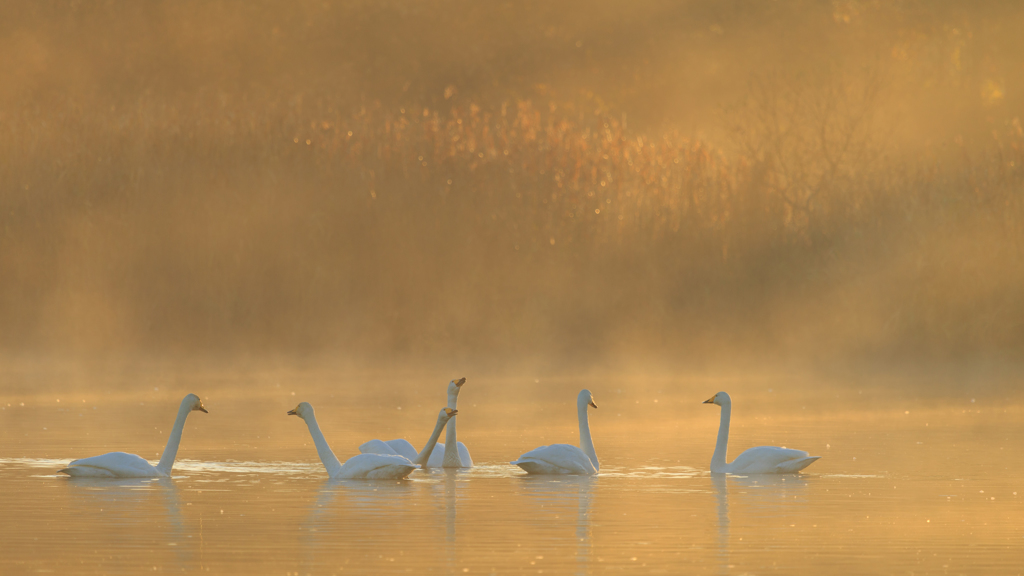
<point x="171" y="450"/>
<point x="424" y="454"/>
<point x="453" y="403"/>
<point x="451" y="448"/>
<point x="722" y="446"/>
<point x="451" y="443"/>
<point x="327" y="456"/>
<point x="586" y="443"/>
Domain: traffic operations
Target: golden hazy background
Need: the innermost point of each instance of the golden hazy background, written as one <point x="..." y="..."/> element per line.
<point x="460" y="181"/>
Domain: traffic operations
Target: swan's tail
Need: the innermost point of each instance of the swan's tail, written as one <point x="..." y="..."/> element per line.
<point x="392" y="471"/>
<point x="796" y="465"/>
<point x="404" y="471"/>
<point x="88" y="472"/>
<point x="531" y="466"/>
<point x="81" y="471"/>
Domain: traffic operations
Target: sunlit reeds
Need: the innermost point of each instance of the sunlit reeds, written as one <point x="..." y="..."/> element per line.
<point x="255" y="221"/>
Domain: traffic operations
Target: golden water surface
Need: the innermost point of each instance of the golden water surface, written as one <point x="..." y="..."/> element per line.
<point x="904" y="486"/>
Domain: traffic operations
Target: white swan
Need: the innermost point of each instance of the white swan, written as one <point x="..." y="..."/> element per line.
<point x="371" y="466"/>
<point x="759" y="460"/>
<point x="443" y="417"/>
<point x="124" y="465"/>
<point x="452" y="454"/>
<point x="566" y="458"/>
<point x="441" y="456"/>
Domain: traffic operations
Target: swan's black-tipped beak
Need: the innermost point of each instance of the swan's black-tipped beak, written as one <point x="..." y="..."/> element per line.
<point x="451" y="412"/>
<point x="592" y="404"/>
<point x="460" y="382"/>
<point x="710" y="400"/>
<point x="202" y="409"/>
<point x="293" y="413"/>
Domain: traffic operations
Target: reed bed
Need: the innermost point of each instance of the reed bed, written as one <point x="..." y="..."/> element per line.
<point x="242" y="223"/>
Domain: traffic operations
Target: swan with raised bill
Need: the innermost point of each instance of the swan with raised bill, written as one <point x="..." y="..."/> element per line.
<point x="759" y="460"/>
<point x="566" y="458"/>
<point x="368" y="466"/>
<point x="124" y="465"/>
<point x="449" y="454"/>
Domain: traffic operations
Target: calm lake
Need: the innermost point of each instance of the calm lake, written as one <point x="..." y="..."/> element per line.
<point x="910" y="481"/>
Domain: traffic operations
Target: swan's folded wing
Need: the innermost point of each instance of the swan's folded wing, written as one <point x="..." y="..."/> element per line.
<point x="467" y="461"/>
<point x="556" y="459"/>
<point x="86" y="472"/>
<point x="376" y="466"/>
<point x="403" y="447"/>
<point x="376" y="447"/>
<point x="400" y="447"/>
<point x="117" y="463"/>
<point x="765" y="459"/>
<point x="436" y="459"/>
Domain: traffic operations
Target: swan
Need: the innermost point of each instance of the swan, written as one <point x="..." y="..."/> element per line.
<point x="759" y="460"/>
<point x="124" y="465"/>
<point x="453" y="454"/>
<point x="371" y="466"/>
<point x="441" y="456"/>
<point x="566" y="458"/>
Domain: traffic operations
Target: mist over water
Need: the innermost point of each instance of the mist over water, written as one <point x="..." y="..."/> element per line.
<point x="813" y="205"/>
<point x="571" y="183"/>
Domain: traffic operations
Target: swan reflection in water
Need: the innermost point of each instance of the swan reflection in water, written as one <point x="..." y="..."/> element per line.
<point x="562" y="494"/>
<point x="763" y="494"/>
<point x="368" y="499"/>
<point x="136" y="509"/>
<point x="345" y="511"/>
<point x="451" y="508"/>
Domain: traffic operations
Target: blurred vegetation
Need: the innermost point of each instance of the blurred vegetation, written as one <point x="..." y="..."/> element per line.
<point x="463" y="180"/>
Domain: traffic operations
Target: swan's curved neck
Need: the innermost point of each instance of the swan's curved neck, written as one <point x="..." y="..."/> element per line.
<point x="171" y="450"/>
<point x="424" y="454"/>
<point x="722" y="446"/>
<point x="327" y="456"/>
<point x="586" y="443"/>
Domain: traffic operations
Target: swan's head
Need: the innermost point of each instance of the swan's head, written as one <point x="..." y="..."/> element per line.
<point x="455" y="385"/>
<point x="447" y="414"/>
<point x="586" y="398"/>
<point x="303" y="410"/>
<point x="722" y="399"/>
<point x="194" y="403"/>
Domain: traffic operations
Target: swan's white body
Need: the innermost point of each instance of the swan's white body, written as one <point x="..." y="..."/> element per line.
<point x="124" y="465"/>
<point x="759" y="460"/>
<point x="441" y="455"/>
<point x="366" y="466"/>
<point x="566" y="458"/>
<point x="403" y="447"/>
